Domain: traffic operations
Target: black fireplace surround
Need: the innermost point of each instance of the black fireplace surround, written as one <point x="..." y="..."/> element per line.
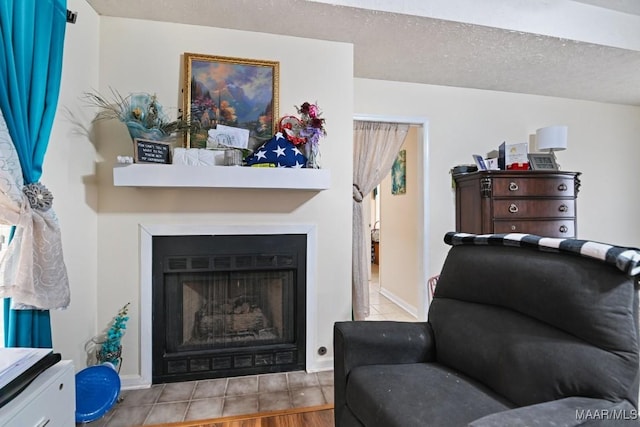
<point x="228" y="305"/>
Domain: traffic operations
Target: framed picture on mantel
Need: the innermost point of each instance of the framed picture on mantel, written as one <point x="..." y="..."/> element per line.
<point x="542" y="161"/>
<point x="235" y="92"/>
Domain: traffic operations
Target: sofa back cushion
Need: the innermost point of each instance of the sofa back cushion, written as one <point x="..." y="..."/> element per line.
<point x="536" y="326"/>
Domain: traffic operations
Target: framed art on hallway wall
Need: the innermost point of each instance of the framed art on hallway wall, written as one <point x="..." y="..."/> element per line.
<point x="399" y="174"/>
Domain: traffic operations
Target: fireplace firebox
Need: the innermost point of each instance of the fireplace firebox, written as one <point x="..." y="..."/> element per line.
<point x="227" y="305"/>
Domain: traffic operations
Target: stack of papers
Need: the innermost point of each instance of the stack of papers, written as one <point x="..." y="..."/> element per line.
<point x="16" y="360"/>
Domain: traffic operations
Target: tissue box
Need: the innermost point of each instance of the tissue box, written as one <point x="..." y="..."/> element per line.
<point x="197" y="157"/>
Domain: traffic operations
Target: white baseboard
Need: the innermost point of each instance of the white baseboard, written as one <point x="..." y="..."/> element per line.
<point x="133" y="382"/>
<point x="411" y="309"/>
<point x="320" y="366"/>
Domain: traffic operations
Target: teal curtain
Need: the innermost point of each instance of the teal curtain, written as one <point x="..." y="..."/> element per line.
<point x="31" y="46"/>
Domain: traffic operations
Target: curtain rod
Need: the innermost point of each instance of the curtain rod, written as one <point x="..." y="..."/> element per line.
<point x="409" y="120"/>
<point x="71" y="17"/>
<point x="391" y="122"/>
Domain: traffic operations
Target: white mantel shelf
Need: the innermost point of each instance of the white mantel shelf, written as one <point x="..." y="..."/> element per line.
<point x="151" y="175"/>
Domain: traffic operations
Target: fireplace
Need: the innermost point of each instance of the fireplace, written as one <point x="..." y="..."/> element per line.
<point x="227" y="305"/>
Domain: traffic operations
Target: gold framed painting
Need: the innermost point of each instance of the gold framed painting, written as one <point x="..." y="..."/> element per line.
<point x="235" y="92"/>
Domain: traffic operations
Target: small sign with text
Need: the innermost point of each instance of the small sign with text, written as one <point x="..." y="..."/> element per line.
<point x="147" y="151"/>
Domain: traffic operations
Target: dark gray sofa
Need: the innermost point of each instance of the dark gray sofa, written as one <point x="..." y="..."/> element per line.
<point x="519" y="334"/>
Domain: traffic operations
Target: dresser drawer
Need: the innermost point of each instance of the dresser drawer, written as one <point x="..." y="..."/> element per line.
<point x="533" y="187"/>
<point x="533" y="208"/>
<point x="535" y="202"/>
<point x="559" y="228"/>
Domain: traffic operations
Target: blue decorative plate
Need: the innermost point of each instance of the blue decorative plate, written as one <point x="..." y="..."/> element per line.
<point x="97" y="389"/>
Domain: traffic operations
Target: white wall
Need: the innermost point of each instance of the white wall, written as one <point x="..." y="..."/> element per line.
<point x="68" y="171"/>
<point x="604" y="144"/>
<point x="147" y="56"/>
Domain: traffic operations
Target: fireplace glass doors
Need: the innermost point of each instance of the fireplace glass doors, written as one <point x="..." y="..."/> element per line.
<point x="235" y="309"/>
<point x="228" y="305"/>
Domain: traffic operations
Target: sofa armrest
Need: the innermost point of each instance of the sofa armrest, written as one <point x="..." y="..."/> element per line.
<point x="571" y="411"/>
<point x="361" y="343"/>
<point x="381" y="342"/>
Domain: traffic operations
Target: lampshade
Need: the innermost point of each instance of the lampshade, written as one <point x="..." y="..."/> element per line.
<point x="551" y="138"/>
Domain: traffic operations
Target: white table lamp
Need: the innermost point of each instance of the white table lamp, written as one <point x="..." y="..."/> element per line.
<point x="551" y="138"/>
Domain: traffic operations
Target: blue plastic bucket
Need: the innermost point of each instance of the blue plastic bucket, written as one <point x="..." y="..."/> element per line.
<point x="97" y="390"/>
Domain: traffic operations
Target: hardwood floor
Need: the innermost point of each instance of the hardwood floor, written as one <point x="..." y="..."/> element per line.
<point x="318" y="416"/>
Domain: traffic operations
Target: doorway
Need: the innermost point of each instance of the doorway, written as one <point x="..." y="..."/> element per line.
<point x="406" y="241"/>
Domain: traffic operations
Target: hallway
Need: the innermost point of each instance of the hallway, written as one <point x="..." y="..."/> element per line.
<point x="382" y="308"/>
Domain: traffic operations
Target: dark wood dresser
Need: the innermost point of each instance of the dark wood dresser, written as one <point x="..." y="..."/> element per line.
<point x="535" y="202"/>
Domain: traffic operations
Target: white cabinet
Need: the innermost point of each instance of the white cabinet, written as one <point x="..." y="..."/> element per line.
<point x="50" y="400"/>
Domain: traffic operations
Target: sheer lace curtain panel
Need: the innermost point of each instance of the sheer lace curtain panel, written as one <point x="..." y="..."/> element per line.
<point x="375" y="147"/>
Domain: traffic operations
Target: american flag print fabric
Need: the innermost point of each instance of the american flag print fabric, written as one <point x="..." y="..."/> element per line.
<point x="278" y="151"/>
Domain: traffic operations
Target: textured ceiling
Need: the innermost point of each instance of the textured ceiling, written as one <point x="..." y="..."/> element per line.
<point x="399" y="47"/>
<point x="626" y="6"/>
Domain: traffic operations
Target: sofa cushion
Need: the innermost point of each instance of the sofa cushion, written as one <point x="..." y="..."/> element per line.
<point x="406" y="395"/>
<point x="570" y="411"/>
<point x="575" y="294"/>
<point x="527" y="316"/>
<point x="525" y="360"/>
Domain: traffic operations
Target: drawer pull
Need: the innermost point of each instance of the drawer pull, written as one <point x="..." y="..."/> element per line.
<point x="563" y="208"/>
<point x="513" y="186"/>
<point x="513" y="208"/>
<point x="563" y="229"/>
<point x="562" y="187"/>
